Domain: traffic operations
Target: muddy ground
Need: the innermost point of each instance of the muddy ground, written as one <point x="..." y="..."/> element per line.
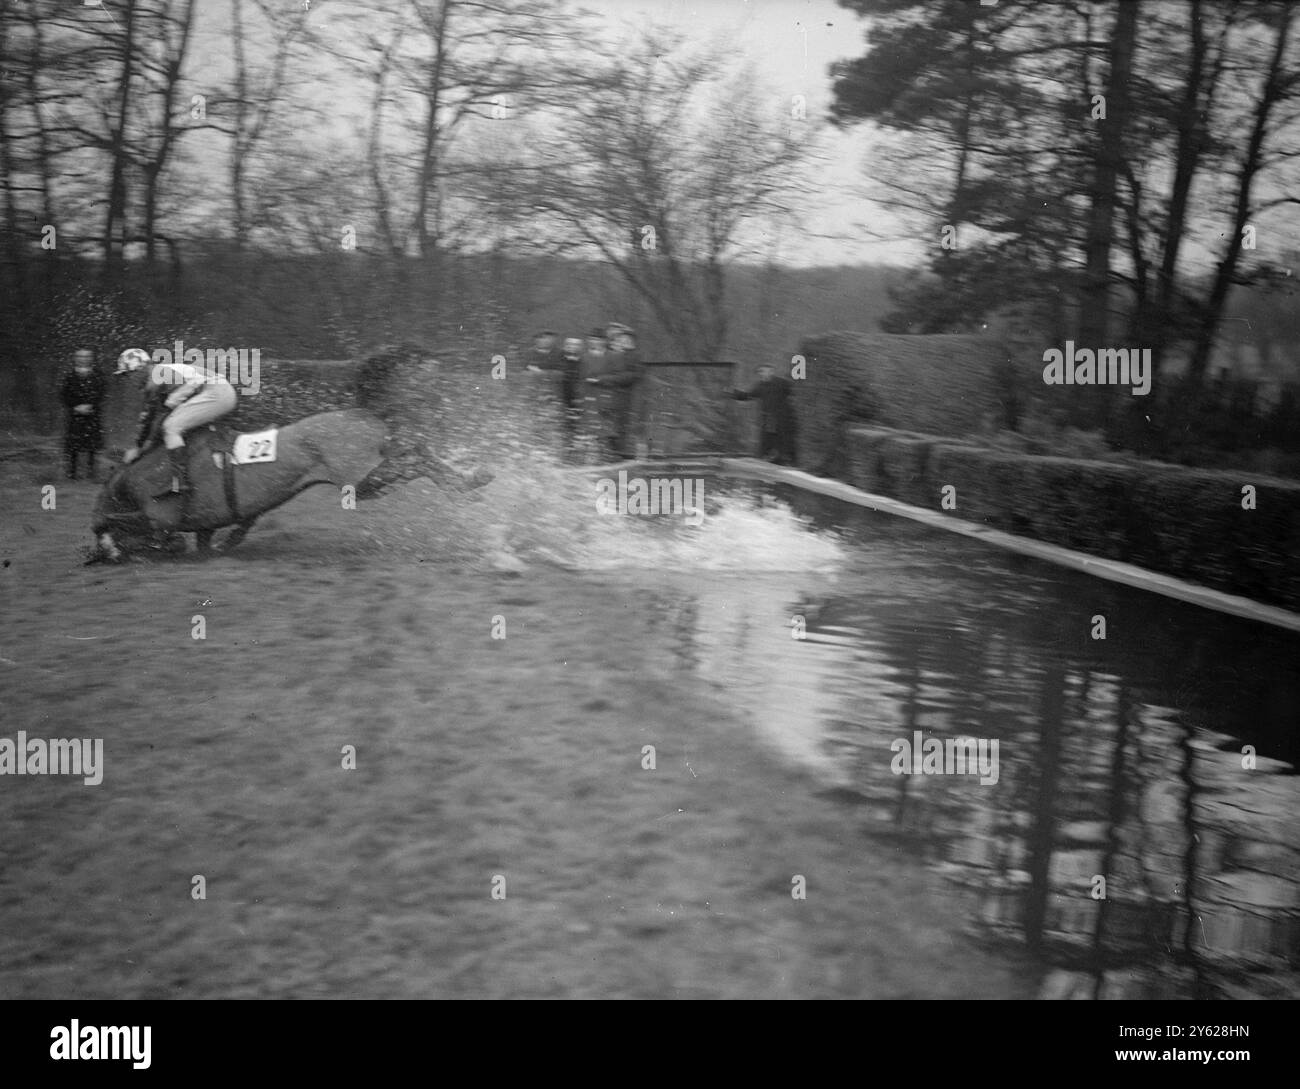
<point x="475" y="757"/>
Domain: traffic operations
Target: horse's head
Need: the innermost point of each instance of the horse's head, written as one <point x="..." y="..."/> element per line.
<point x="118" y="524"/>
<point x="398" y="383"/>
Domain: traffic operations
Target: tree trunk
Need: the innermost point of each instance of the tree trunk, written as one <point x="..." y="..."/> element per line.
<point x="1273" y="92"/>
<point x="1095" y="320"/>
<point x="167" y="133"/>
<point x="238" y="148"/>
<point x="115" y="212"/>
<point x="1191" y="143"/>
<point x="425" y="239"/>
<point x="45" y="157"/>
<point x="14" y="280"/>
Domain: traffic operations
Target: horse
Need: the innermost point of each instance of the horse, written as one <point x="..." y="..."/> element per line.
<point x="348" y="447"/>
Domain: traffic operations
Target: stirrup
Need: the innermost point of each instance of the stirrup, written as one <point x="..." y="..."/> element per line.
<point x="175" y="488"/>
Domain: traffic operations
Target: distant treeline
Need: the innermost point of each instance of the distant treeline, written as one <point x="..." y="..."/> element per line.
<point x="466" y="309"/>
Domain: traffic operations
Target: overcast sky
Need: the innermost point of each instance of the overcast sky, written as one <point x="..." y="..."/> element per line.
<point x="793" y="43"/>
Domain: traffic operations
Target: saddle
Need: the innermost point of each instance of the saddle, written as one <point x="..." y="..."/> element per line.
<point x="220" y="434"/>
<point x="214" y="441"/>
<point x="213" y="444"/>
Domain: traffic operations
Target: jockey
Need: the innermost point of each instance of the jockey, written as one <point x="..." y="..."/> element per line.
<point x="189" y="395"/>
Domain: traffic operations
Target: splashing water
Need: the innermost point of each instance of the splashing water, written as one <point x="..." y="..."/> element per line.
<point x="738" y="533"/>
<point x="538" y="509"/>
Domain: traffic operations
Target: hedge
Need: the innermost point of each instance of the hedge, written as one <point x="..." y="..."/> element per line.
<point x="1189" y="523"/>
<point x="951" y="385"/>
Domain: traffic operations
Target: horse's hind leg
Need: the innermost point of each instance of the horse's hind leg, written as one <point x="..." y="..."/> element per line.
<point x="237" y="534"/>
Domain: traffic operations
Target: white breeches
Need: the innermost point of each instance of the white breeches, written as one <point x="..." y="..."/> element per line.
<point x="211" y="402"/>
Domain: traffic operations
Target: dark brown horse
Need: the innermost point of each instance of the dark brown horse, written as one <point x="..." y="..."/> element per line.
<point x="350" y="447"/>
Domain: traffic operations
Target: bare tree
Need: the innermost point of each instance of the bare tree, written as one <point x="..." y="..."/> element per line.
<point x="170" y="27"/>
<point x="1109" y="160"/>
<point x="132" y="118"/>
<point x="661" y="168"/>
<point x="115" y="142"/>
<point x="1279" y="84"/>
<point x="257" y="94"/>
<point x="436" y="66"/>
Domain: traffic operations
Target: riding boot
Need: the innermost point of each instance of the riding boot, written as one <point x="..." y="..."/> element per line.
<point x="178" y="456"/>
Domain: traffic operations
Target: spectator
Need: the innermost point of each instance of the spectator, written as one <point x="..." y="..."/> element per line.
<point x="619" y="391"/>
<point x="571" y="387"/>
<point x="543" y="354"/>
<point x="568" y="363"/>
<point x="82" y="393"/>
<point x="777" y="424"/>
<point x="593" y="359"/>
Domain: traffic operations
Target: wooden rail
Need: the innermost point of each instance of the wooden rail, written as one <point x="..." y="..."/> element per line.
<point x="1112" y="570"/>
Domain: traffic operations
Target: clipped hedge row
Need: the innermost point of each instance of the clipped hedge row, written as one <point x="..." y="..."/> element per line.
<point x="943" y="384"/>
<point x="1189" y="523"/>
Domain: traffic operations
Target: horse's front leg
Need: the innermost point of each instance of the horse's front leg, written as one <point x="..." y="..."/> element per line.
<point x="380" y="480"/>
<point x="237" y="534"/>
<point x="203" y="541"/>
<point x="408" y="466"/>
<point x="448" y="475"/>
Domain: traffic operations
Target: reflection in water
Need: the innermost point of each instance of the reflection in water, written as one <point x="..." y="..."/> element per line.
<point x="1127" y="847"/>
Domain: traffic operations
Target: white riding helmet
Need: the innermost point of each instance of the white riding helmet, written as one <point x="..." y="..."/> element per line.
<point x="131" y="360"/>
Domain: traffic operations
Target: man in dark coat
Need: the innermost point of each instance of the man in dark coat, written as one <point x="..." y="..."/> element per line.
<point x="82" y="393"/>
<point x="777" y="425"/>
<point x="571" y="387"/>
<point x="544" y="354"/>
<point x="568" y="363"/>
<point x="618" y="397"/>
<point x="594" y="356"/>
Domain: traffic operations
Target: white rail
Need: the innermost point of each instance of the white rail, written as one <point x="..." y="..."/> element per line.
<point x="1112" y="570"/>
